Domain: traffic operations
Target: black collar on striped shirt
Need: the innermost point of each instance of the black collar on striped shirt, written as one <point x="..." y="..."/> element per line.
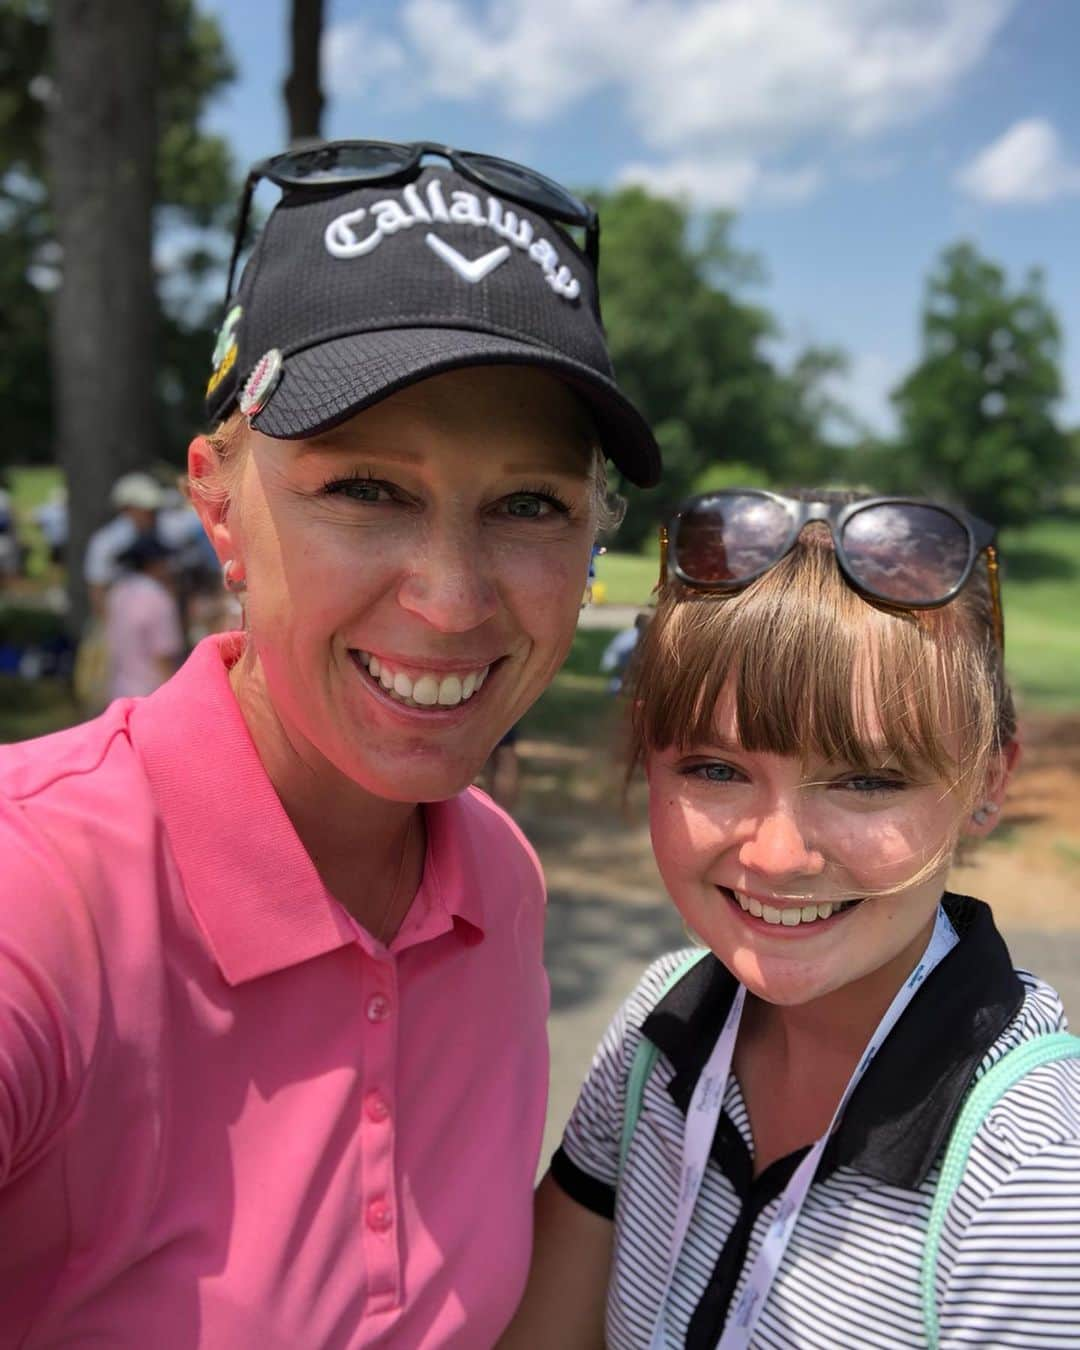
<point x="900" y="1115"/>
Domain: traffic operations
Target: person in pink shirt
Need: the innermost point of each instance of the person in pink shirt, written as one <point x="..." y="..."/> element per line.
<point x="143" y="633"/>
<point x="273" y="1063"/>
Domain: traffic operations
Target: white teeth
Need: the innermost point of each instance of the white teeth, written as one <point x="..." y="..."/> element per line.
<point x="450" y="691"/>
<point x="427" y="690"/>
<point x="788" y="918"/>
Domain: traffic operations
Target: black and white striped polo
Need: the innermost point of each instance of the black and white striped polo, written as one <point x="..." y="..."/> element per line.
<point x="1008" y="1273"/>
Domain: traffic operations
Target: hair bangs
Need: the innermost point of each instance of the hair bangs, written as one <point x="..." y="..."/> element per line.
<point x="817" y="672"/>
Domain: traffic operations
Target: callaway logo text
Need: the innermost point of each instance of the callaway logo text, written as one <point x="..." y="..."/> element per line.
<point x="344" y="239"/>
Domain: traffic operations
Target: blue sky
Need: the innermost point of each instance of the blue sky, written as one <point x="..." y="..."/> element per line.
<point x="855" y="138"/>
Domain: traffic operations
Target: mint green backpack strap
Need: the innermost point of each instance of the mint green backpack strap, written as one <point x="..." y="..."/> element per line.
<point x="990" y="1088"/>
<point x="644" y="1059"/>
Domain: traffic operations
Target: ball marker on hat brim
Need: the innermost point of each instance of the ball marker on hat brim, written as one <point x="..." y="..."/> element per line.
<point x="261" y="383"/>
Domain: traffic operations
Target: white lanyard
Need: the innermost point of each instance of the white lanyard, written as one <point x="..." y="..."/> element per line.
<point x="701" y="1122"/>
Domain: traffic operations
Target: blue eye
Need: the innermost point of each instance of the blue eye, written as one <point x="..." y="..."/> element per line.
<point x="713" y="773"/>
<point x="535" y="505"/>
<point x="359" y="489"/>
<point x="524" y="506"/>
<point x="865" y="784"/>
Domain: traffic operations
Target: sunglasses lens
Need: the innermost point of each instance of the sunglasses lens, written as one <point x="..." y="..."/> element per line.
<point x="908" y="553"/>
<point x="524" y="184"/>
<point x="352" y="161"/>
<point x="730" y="537"/>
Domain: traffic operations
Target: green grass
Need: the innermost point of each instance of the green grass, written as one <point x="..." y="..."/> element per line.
<point x="34" y="708"/>
<point x="1041" y="566"/>
<point x="627" y="578"/>
<point x="31" y="486"/>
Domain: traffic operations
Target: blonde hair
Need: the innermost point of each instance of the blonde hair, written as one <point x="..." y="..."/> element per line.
<point x="816" y="669"/>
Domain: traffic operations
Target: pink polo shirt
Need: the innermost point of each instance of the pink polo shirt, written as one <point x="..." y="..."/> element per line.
<point x="228" y="1118"/>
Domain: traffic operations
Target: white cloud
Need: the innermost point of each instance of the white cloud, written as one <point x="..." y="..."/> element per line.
<point x="761" y="72"/>
<point x="737" y="84"/>
<point x="722" y="182"/>
<point x="1027" y="166"/>
<point x="355" y="58"/>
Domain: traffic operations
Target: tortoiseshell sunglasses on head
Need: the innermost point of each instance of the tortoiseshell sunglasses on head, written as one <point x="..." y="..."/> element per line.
<point x="899" y="550"/>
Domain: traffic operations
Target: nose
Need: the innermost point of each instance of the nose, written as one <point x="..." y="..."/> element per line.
<point x="776" y="846"/>
<point x="450" y="581"/>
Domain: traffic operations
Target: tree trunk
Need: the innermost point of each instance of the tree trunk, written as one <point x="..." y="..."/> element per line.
<point x="303" y="91"/>
<point x="102" y="146"/>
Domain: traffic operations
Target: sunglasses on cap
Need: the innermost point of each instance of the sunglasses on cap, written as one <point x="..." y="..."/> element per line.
<point x="342" y="164"/>
<point x="898" y="550"/>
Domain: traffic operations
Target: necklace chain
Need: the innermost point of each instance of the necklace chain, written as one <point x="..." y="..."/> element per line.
<point x="391" y="904"/>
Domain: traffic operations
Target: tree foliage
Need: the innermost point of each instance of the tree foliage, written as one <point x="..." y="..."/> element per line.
<point x="693" y="353"/>
<point x="977" y="412"/>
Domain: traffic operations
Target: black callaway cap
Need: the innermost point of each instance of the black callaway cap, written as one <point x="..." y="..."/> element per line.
<point x="351" y="295"/>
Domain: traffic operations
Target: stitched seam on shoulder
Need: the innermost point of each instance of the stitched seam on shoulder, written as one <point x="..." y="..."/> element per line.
<point x="67" y="771"/>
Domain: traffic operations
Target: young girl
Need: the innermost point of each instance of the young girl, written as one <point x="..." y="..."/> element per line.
<point x="821" y="711"/>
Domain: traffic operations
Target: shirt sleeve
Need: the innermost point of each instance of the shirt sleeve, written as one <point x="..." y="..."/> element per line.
<point x="586" y="1165"/>
<point x="1009" y="1272"/>
<point x="49" y="982"/>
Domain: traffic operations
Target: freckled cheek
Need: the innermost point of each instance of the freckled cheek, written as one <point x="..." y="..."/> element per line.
<point x="544" y="591"/>
<point x="687" y="840"/>
<point x="881" y="853"/>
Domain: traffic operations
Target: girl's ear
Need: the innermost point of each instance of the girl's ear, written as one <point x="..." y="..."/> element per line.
<point x="987" y="810"/>
<point x="212" y="509"/>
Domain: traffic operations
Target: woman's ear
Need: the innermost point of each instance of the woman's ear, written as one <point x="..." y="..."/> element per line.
<point x="987" y="810"/>
<point x="204" y="463"/>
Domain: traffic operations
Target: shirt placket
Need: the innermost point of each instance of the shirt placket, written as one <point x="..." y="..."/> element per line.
<point x="382" y="1255"/>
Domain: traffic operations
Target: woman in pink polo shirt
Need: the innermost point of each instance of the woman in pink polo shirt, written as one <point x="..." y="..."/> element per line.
<point x="272" y="1052"/>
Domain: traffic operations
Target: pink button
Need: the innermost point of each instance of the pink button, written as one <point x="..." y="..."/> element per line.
<point x="378" y="1008"/>
<point x="376" y="1106"/>
<point x="380" y="1218"/>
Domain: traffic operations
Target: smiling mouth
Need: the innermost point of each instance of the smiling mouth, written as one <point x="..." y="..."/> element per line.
<point x="429" y="689"/>
<point x="789" y="916"/>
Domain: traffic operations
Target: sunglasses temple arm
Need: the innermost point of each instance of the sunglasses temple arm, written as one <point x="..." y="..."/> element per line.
<point x="241" y="231"/>
<point x="592" y="240"/>
<point x="994" y="576"/>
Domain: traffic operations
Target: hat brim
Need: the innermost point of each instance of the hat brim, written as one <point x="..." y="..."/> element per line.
<point x="322" y="386"/>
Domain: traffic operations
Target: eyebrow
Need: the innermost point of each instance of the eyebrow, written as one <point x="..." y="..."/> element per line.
<point x="328" y="443"/>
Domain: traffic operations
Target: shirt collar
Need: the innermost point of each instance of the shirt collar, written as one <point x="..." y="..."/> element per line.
<point x="255" y="893"/>
<point x="902" y="1111"/>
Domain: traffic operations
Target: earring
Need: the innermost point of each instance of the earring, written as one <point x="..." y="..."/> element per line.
<point x="597" y="550"/>
<point x="234" y="585"/>
<point x="983" y="813"/>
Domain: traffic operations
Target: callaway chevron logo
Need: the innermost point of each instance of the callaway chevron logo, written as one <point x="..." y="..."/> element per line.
<point x="355" y="234"/>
